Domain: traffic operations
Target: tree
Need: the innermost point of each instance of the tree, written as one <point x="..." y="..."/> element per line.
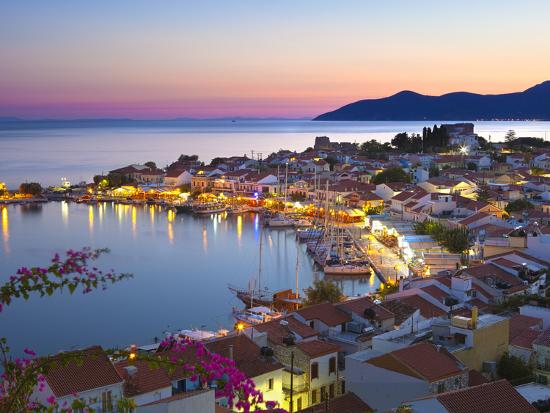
<point x="391" y="175"/>
<point x="373" y="147"/>
<point x="30" y="188"/>
<point x="331" y="160"/>
<point x="510" y="137"/>
<point x="518" y="205"/>
<point x="471" y="166"/>
<point x="217" y="161"/>
<point x="514" y="369"/>
<point x="434" y="171"/>
<point x="151" y="165"/>
<point x="187" y="158"/>
<point x="323" y="291"/>
<point x="483" y="193"/>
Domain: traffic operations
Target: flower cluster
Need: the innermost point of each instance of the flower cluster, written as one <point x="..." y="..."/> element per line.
<point x="71" y="273"/>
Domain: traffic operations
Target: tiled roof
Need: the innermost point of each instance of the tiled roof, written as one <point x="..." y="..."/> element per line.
<point x="145" y="379"/>
<point x="423" y="360"/>
<point x="359" y="305"/>
<point x="543" y="339"/>
<point x="318" y="348"/>
<point x="347" y="403"/>
<point x="473" y="218"/>
<point x="495" y="397"/>
<point x="276" y="332"/>
<point x="325" y="312"/>
<point x="526" y="339"/>
<point x="427" y="309"/>
<point x="519" y="323"/>
<point x="485" y="272"/>
<point x="400" y="310"/>
<point x="246" y="355"/>
<point x="435" y="292"/>
<point x="89" y="369"/>
<point x="475" y="378"/>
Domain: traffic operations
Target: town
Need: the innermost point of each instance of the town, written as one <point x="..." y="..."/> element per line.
<point x="454" y="226"/>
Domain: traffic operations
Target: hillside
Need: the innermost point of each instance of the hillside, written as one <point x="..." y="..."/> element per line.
<point x="533" y="103"/>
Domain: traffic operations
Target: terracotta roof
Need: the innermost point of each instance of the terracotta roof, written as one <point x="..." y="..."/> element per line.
<point x="444" y="280"/>
<point x="487" y="272"/>
<point x="400" y="310"/>
<point x="325" y="312"/>
<point x="359" y="305"/>
<point x="317" y="348"/>
<point x="523" y="255"/>
<point x="435" y="292"/>
<point x="179" y="396"/>
<point x="520" y="323"/>
<point x="89" y="369"/>
<point x="543" y="339"/>
<point x="526" y="339"/>
<point x="145" y="379"/>
<point x="423" y="360"/>
<point x="427" y="309"/>
<point x="473" y="218"/>
<point x="246" y="355"/>
<point x="347" y="403"/>
<point x="475" y="378"/>
<point x="276" y="332"/>
<point x="495" y="397"/>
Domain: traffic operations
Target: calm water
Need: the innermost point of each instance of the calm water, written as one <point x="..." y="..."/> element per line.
<point x="182" y="265"/>
<point x="47" y="151"/>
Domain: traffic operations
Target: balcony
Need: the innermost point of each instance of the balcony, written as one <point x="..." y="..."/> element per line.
<point x="298" y="387"/>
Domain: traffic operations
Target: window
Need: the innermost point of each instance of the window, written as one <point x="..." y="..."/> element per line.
<point x="323" y="393"/>
<point x="299" y="404"/>
<point x="440" y="387"/>
<point x="270" y="384"/>
<point x="311" y="324"/>
<point x="547" y="364"/>
<point x="332" y="365"/>
<point x="331" y="391"/>
<point x="314" y="396"/>
<point x="314" y="371"/>
<point x="106" y="401"/>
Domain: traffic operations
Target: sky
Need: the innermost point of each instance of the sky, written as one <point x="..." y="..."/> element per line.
<point x="162" y="59"/>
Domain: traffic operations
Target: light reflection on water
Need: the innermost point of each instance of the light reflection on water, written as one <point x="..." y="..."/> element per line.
<point x="182" y="265"/>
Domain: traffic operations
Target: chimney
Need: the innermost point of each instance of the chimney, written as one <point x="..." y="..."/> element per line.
<point x="231" y="352"/>
<point x="131" y="370"/>
<point x="401" y="282"/>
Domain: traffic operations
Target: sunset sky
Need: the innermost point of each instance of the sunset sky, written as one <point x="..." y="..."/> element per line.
<point x="284" y="58"/>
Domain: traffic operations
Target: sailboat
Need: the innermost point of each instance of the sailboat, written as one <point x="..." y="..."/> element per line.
<point x="281" y="220"/>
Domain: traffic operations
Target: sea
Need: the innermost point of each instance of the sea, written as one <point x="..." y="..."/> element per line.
<point x="182" y="264"/>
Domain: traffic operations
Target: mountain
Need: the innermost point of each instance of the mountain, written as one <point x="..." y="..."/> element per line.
<point x="533" y="103"/>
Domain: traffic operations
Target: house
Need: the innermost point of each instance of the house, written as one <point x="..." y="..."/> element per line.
<point x="385" y="380"/>
<point x="444" y="185"/>
<point x="88" y="375"/>
<point x="387" y="191"/>
<point x="177" y="177"/>
<point x="346" y="403"/>
<point x="203" y="401"/>
<point x="524" y="330"/>
<point x="494" y="397"/>
<point x="325" y="318"/>
<point x="258" y="365"/>
<point x="541" y="355"/>
<point x="142" y="174"/>
<point x="143" y="383"/>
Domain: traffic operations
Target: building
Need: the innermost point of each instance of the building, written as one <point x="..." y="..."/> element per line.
<point x="190" y="402"/>
<point x="495" y="397"/>
<point x="87" y="375"/>
<point x="385" y="380"/>
<point x="143" y="383"/>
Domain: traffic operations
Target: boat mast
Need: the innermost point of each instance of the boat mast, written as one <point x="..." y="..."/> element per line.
<point x="286" y="185"/>
<point x="260" y="265"/>
<point x="297" y="266"/>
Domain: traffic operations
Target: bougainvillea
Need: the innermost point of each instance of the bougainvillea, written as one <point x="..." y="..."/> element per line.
<point x="23" y="375"/>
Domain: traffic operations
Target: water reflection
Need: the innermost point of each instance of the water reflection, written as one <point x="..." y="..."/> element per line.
<point x="204" y="239"/>
<point x="239" y="228"/>
<point x="91" y="218"/>
<point x="5" y="229"/>
<point x="65" y="212"/>
<point x="134" y="222"/>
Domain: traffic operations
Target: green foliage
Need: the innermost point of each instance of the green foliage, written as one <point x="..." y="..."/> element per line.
<point x="483" y="193"/>
<point x="435" y="140"/>
<point x="510" y="137"/>
<point x="297" y="198"/>
<point x="518" y="205"/>
<point x="514" y="369"/>
<point x="30" y="188"/>
<point x="323" y="291"/>
<point x="151" y="165"/>
<point x="405" y="143"/>
<point x="434" y="171"/>
<point x="115" y="180"/>
<point x="331" y="161"/>
<point x="455" y="240"/>
<point x="373" y="210"/>
<point x="217" y="161"/>
<point x="188" y="158"/>
<point x="471" y="166"/>
<point x="391" y="175"/>
<point x="374" y="147"/>
<point x="185" y="188"/>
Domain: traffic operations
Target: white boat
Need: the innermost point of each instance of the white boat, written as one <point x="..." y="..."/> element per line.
<point x="280" y="221"/>
<point x="255" y="315"/>
<point x="302" y="223"/>
<point x="209" y="208"/>
<point x="346" y="269"/>
<point x="238" y="210"/>
<point x="199" y="335"/>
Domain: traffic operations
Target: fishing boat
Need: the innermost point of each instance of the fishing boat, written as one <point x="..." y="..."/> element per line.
<point x="255" y="315"/>
<point x="281" y="220"/>
<point x="209" y="208"/>
<point x="346" y="269"/>
<point x="239" y="209"/>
